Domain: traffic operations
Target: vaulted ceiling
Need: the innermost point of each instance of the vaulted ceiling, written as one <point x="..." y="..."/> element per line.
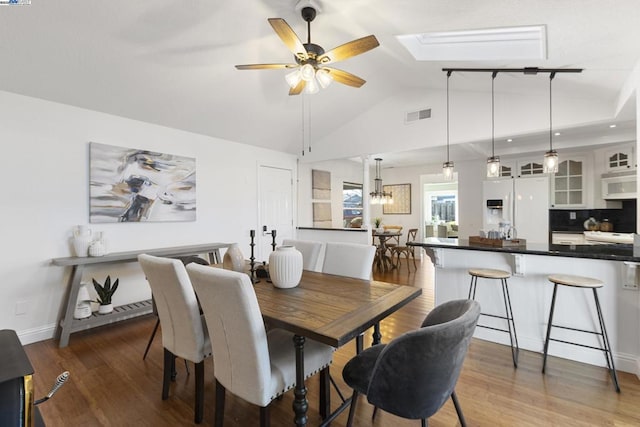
<point x="171" y="62"/>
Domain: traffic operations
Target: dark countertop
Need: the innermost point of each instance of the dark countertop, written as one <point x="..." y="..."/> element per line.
<point x="613" y="252"/>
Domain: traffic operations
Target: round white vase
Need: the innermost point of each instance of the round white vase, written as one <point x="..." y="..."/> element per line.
<point x="83" y="303"/>
<point x="285" y="267"/>
<point x="233" y="258"/>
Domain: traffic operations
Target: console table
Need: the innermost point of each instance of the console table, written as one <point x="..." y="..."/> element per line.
<point x="69" y="325"/>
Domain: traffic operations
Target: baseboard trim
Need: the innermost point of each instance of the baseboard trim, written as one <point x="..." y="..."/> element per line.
<point x="29" y="336"/>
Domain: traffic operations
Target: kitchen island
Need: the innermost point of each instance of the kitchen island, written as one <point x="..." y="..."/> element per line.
<point x="531" y="293"/>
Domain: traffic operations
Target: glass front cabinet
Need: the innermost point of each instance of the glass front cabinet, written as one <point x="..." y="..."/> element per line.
<point x="568" y="185"/>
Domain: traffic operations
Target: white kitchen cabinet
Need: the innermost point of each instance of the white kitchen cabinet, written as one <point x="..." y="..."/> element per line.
<point x="568" y="184"/>
<point x="530" y="167"/>
<point x="507" y="168"/>
<point x="621" y="158"/>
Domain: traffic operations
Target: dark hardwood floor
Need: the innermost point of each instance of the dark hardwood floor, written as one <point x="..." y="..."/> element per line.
<point x="110" y="384"/>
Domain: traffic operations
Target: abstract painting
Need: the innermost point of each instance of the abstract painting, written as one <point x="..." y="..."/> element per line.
<point x="401" y="199"/>
<point x="132" y="185"/>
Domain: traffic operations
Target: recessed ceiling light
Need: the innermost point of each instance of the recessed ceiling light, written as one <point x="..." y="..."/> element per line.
<point x="557" y="134"/>
<point x="506" y="43"/>
<point x="509" y="140"/>
<point x="612" y="126"/>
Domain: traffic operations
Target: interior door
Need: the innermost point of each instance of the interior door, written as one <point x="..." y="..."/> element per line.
<point x="275" y="191"/>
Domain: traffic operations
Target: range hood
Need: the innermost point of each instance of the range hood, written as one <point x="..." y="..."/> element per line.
<point x="619" y="185"/>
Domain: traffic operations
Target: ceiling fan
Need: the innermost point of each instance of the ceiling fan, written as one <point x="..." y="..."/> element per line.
<point x="310" y="69"/>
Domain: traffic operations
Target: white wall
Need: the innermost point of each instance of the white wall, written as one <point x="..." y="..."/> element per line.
<point x="45" y="188"/>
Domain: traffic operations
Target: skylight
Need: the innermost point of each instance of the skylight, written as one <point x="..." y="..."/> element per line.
<point x="507" y="43"/>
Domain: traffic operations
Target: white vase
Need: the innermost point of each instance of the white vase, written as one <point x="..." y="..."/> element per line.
<point x="97" y="247"/>
<point x="81" y="240"/>
<point x="233" y="258"/>
<point x="105" y="308"/>
<point x="285" y="267"/>
<point x="83" y="303"/>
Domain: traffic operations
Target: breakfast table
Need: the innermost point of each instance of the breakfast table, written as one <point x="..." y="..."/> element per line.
<point x="329" y="309"/>
<point x="383" y="261"/>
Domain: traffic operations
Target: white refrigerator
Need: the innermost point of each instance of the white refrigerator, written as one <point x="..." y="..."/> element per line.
<point x="524" y="203"/>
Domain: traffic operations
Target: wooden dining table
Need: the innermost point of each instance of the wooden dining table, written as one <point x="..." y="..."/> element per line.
<point x="382" y="261"/>
<point x="332" y="310"/>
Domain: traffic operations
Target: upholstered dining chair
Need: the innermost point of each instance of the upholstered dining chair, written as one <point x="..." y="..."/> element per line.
<point x="349" y="260"/>
<point x="414" y="375"/>
<point x="406" y="250"/>
<point x="310" y="252"/>
<point x="253" y="364"/>
<point x="184" y="332"/>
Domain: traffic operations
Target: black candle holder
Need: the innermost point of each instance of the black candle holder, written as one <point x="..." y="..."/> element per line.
<point x="252" y="258"/>
<point x="273" y="239"/>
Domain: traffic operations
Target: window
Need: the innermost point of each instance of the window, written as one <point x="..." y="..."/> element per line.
<point x="443" y="207"/>
<point x="351" y="204"/>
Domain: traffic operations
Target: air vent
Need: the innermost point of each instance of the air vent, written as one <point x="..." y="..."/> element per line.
<point x="414" y="116"/>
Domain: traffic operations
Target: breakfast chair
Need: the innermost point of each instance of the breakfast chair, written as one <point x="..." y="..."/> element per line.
<point x="414" y="375"/>
<point x="407" y="251"/>
<point x="310" y="252"/>
<point x="253" y="364"/>
<point x="184" y="331"/>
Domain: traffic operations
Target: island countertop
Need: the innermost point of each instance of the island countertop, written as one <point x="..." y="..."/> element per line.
<point x="612" y="252"/>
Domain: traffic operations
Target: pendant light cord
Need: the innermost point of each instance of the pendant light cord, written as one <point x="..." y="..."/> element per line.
<point x="493" y="124"/>
<point x="448" y="75"/>
<point x="551" y="76"/>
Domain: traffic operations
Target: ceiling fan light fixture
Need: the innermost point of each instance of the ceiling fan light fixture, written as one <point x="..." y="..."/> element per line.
<point x="312" y="86"/>
<point x="324" y="78"/>
<point x="293" y="78"/>
<point x="307" y="72"/>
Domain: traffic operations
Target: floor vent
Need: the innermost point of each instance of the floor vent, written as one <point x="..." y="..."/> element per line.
<point x="414" y="116"/>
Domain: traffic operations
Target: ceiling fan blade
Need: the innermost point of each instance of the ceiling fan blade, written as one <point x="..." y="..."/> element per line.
<point x="344" y="77"/>
<point x="289" y="37"/>
<point x="298" y="89"/>
<point x="347" y="50"/>
<point x="265" y="66"/>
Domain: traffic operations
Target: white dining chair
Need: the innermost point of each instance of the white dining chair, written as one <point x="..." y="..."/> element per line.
<point x="349" y="260"/>
<point x="310" y="252"/>
<point x="253" y="364"/>
<point x="184" y="331"/>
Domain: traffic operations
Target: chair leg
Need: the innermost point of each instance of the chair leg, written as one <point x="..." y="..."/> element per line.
<point x="546" y="341"/>
<point x="375" y="411"/>
<point x="413" y="255"/>
<point x="607" y="347"/>
<point x="153" y="334"/>
<point x="456" y="404"/>
<point x="352" y="408"/>
<point x="219" y="414"/>
<point x="423" y="422"/>
<point x="325" y="393"/>
<point x="511" y="324"/>
<point x="199" y="409"/>
<point x="169" y="366"/>
<point x="359" y="343"/>
<point x="265" y="418"/>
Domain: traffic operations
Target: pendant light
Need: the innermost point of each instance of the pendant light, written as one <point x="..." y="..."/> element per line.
<point x="447" y="167"/>
<point x="379" y="197"/>
<point x="550" y="162"/>
<point x="493" y="162"/>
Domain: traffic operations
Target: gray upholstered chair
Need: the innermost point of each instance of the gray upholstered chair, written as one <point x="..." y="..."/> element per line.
<point x="310" y="252"/>
<point x="184" y="332"/>
<point x="415" y="373"/>
<point x="253" y="364"/>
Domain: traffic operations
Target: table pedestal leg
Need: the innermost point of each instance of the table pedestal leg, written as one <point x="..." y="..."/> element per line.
<point x="300" y="403"/>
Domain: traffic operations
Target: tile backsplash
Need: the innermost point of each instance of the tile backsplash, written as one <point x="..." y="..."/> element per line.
<point x="623" y="220"/>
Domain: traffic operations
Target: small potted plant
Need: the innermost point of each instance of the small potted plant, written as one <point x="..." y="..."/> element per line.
<point x="378" y="224"/>
<point x="105" y="292"/>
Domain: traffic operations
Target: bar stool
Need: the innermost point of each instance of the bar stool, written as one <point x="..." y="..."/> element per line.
<point x="584" y="283"/>
<point x="501" y="275"/>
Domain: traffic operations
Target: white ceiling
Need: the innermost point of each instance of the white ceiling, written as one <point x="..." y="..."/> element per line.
<point x="171" y="62"/>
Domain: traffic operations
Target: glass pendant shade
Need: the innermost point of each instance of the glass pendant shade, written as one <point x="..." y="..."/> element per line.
<point x="312" y="86"/>
<point x="550" y="163"/>
<point x="293" y="78"/>
<point x="447" y="171"/>
<point x="307" y="72"/>
<point x="324" y="78"/>
<point x="493" y="167"/>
